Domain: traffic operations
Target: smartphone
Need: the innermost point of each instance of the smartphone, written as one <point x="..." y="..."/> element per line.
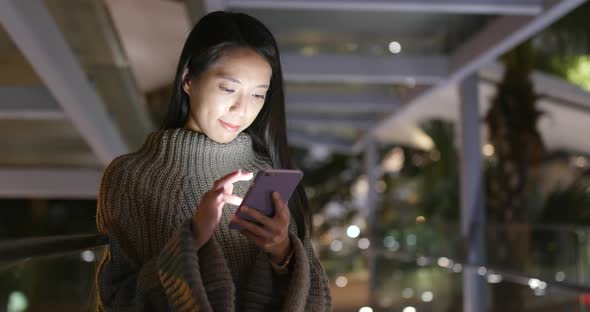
<point x="259" y="195"/>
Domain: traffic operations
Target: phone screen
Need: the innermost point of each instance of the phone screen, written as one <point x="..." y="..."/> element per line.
<point x="259" y="195"/>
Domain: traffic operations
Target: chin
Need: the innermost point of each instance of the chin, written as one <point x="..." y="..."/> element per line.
<point x="224" y="137"/>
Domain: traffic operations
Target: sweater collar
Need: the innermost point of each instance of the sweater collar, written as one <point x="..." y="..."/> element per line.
<point x="197" y="148"/>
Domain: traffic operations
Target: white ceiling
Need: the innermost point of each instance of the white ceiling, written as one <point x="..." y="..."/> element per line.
<point x="152" y="33"/>
<point x="128" y="50"/>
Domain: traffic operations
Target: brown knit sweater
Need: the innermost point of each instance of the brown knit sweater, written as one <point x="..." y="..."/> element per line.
<point x="145" y="204"/>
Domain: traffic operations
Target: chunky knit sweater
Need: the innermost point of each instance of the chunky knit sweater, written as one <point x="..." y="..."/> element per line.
<point x="145" y="205"/>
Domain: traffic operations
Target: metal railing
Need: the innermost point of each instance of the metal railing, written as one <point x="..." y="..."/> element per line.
<point x="20" y="249"/>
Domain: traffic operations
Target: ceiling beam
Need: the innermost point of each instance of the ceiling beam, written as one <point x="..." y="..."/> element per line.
<point x="215" y="5"/>
<point x="356" y="122"/>
<point x="49" y="183"/>
<point x="29" y="103"/>
<point x="504" y="7"/>
<point x="199" y="8"/>
<point x="26" y="103"/>
<point x="501" y="35"/>
<point x="306" y="140"/>
<point x="498" y="37"/>
<point x="553" y="89"/>
<point x="364" y="69"/>
<point x="367" y="102"/>
<point x="36" y="34"/>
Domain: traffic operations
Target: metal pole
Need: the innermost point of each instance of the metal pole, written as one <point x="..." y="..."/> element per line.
<point x="472" y="208"/>
<point x="580" y="279"/>
<point x="371" y="165"/>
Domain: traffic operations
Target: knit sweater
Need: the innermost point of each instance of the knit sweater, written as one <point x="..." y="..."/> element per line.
<point x="145" y="205"/>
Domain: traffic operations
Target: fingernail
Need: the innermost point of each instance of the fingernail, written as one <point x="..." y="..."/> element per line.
<point x="245" y="208"/>
<point x="276" y="195"/>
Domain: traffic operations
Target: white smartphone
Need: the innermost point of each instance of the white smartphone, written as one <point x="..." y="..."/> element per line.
<point x="259" y="195"/>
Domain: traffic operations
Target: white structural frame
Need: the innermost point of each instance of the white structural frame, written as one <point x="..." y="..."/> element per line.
<point x="215" y="5"/>
<point x="37" y="103"/>
<point x="365" y="69"/>
<point x="358" y="102"/>
<point x="302" y="139"/>
<point x="497" y="38"/>
<point x="330" y="121"/>
<point x="38" y="37"/>
<point x="29" y="103"/>
<point x="49" y="183"/>
<point x="505" y="7"/>
<point x="472" y="195"/>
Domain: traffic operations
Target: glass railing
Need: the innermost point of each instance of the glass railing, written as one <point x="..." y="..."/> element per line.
<point x="551" y="253"/>
<point x="407" y="286"/>
<point x="420" y="268"/>
<point x="50" y="273"/>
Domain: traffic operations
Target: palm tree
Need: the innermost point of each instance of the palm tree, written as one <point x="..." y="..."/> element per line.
<point x="512" y="122"/>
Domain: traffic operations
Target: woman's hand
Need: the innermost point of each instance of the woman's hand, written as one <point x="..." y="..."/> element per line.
<point x="208" y="214"/>
<point x="272" y="235"/>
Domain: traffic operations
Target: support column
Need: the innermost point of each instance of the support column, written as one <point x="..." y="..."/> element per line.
<point x="472" y="201"/>
<point x="371" y="162"/>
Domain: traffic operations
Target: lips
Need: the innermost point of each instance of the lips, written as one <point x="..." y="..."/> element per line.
<point x="228" y="126"/>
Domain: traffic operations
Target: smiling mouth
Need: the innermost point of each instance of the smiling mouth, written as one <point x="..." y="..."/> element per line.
<point x="228" y="126"/>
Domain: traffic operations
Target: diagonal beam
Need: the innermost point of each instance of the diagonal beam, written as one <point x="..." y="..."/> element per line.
<point x="497" y="38"/>
<point x="28" y="103"/>
<point x="37" y="36"/>
<point x="501" y="35"/>
<point x="49" y="183"/>
<point x="504" y="7"/>
<point x="297" y="102"/>
<point x="364" y="69"/>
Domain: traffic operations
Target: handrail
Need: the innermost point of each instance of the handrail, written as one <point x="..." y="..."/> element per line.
<point x="20" y="249"/>
<point x="507" y="274"/>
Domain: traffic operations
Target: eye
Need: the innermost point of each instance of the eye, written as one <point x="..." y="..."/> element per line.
<point x="262" y="97"/>
<point x="227" y="90"/>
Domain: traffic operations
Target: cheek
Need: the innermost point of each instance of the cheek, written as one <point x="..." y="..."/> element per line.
<point x="253" y="112"/>
<point x="211" y="105"/>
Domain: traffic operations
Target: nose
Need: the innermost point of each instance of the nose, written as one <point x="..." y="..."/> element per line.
<point x="240" y="106"/>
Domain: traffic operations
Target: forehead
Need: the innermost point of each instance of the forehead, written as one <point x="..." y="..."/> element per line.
<point x="242" y="63"/>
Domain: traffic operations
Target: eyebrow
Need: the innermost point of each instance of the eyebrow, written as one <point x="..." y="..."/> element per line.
<point x="238" y="81"/>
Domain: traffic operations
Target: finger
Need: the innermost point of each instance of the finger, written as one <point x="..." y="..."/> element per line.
<point x="232" y="178"/>
<point x="259" y="241"/>
<point x="252" y="227"/>
<point x="231" y="199"/>
<point x="215" y="195"/>
<point x="218" y="198"/>
<point x="219" y="183"/>
<point x="258" y="216"/>
<point x="282" y="211"/>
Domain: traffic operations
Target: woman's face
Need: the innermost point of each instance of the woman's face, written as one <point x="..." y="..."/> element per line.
<point x="228" y="96"/>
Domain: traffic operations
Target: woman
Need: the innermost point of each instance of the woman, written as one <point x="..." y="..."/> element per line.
<point x="166" y="208"/>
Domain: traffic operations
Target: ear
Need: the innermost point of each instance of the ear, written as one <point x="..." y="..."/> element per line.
<point x="186" y="82"/>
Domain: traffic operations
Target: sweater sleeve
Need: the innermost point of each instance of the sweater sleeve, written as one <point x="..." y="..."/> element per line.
<point x="308" y="288"/>
<point x="304" y="288"/>
<point x="172" y="280"/>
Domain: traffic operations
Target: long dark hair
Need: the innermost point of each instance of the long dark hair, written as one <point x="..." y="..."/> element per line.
<point x="213" y="33"/>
